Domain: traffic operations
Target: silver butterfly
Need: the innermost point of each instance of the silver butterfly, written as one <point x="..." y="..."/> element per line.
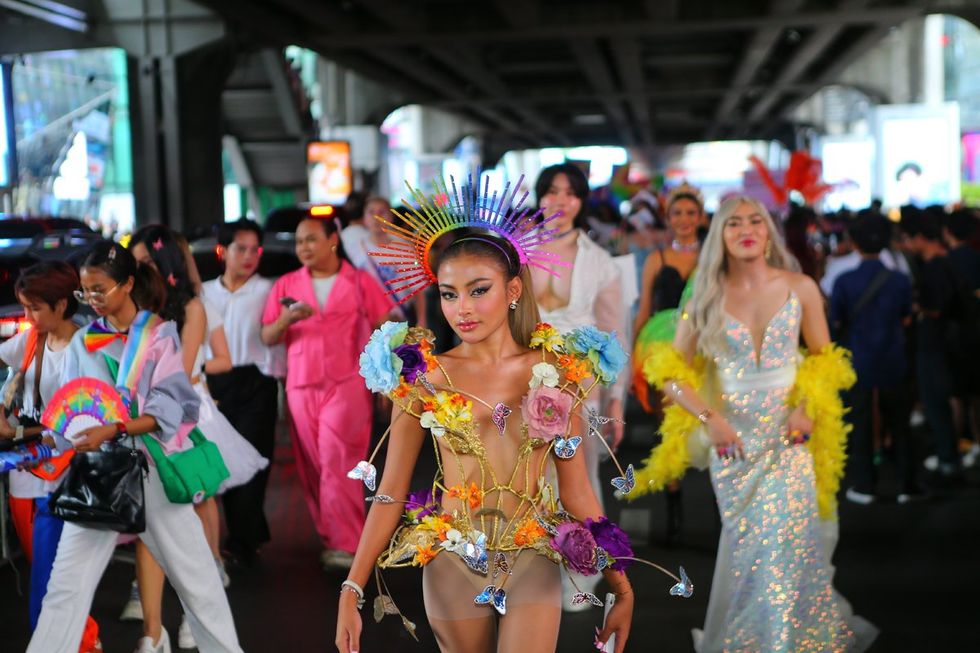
<point x="597" y="421"/>
<point x="625" y="484"/>
<point x="586" y="597"/>
<point x="602" y="559"/>
<point x="366" y="472"/>
<point x="421" y="378"/>
<point x="685" y="588"/>
<point x="565" y="449"/>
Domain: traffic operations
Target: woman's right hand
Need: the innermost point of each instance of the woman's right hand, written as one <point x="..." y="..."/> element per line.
<point x="348" y="624"/>
<point x="295" y="313"/>
<point x="723" y="436"/>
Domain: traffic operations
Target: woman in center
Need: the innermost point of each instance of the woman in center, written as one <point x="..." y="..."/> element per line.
<point x="501" y="406"/>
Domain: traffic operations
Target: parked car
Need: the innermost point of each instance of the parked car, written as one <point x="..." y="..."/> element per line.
<point x="25" y="241"/>
<point x="278" y="242"/>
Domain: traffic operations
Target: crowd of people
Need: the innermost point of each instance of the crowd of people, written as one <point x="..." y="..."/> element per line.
<point x="732" y="320"/>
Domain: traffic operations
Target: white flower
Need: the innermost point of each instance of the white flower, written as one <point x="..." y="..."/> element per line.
<point x="454" y="542"/>
<point x="544" y="374"/>
<point x="429" y="421"/>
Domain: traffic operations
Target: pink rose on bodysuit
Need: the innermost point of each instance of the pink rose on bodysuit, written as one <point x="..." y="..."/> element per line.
<point x="546" y="412"/>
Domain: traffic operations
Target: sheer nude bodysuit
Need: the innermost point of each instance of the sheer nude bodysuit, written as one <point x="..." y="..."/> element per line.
<point x="508" y="470"/>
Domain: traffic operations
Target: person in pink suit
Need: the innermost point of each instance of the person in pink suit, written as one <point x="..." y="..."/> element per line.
<point x="325" y="312"/>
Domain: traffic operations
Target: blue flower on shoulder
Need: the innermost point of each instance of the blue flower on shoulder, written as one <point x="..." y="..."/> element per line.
<point x="602" y="349"/>
<point x="380" y="366"/>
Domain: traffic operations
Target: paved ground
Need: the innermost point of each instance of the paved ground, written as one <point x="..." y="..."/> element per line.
<point x="912" y="570"/>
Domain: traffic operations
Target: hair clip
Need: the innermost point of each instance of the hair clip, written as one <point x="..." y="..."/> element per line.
<point x="158" y="244"/>
<point x="172" y="280"/>
<point x="112" y="253"/>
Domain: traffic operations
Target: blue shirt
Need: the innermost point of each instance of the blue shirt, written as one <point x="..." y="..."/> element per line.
<point x="876" y="335"/>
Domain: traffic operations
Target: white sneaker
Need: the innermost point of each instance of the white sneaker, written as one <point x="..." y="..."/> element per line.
<point x="145" y="645"/>
<point x="859" y="497"/>
<point x="225" y="578"/>
<point x="931" y="463"/>
<point x="184" y="637"/>
<point x="133" y="610"/>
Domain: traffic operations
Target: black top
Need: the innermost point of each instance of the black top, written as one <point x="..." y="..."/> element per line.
<point x="668" y="286"/>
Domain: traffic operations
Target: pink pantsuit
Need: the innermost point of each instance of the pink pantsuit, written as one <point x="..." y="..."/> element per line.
<point x="330" y="406"/>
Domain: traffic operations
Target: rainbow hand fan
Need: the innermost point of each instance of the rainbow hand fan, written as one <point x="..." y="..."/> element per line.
<point x="82" y="403"/>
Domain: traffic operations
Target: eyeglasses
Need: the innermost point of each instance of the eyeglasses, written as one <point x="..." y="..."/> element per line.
<point x="93" y="296"/>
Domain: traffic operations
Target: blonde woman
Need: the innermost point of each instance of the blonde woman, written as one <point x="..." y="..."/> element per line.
<point x="772" y="425"/>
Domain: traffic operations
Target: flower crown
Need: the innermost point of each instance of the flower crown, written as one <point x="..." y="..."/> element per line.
<point x="433" y="216"/>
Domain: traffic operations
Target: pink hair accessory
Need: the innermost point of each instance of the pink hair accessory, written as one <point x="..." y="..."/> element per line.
<point x="158" y="244"/>
<point x="172" y="280"/>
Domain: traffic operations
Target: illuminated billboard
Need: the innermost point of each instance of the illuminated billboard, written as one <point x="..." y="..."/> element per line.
<point x="8" y="167"/>
<point x="329" y="171"/>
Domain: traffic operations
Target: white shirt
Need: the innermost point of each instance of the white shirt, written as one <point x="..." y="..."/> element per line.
<point x="838" y="265"/>
<point x="214" y="320"/>
<point x="242" y="314"/>
<point x="23" y="484"/>
<point x="356" y="239"/>
<point x="321" y="288"/>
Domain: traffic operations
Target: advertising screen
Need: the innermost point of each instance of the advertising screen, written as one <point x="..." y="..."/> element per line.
<point x="7" y="167"/>
<point x="329" y="171"/>
<point x="918" y="154"/>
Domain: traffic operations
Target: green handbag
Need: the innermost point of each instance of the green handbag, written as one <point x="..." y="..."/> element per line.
<point x="189" y="476"/>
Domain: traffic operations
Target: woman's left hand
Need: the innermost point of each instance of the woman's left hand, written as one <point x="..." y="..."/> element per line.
<point x="618" y="622"/>
<point x="92" y="438"/>
<point x="798" y="422"/>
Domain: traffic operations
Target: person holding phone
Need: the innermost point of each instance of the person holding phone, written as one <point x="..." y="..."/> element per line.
<point x="324" y="313"/>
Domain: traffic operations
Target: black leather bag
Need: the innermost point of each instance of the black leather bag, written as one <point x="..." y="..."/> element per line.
<point x="104" y="490"/>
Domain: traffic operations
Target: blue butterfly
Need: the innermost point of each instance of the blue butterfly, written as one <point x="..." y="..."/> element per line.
<point x="602" y="559"/>
<point x="565" y="449"/>
<point x="366" y="472"/>
<point x="493" y="596"/>
<point x="475" y="555"/>
<point x="684" y="588"/>
<point x="627" y="483"/>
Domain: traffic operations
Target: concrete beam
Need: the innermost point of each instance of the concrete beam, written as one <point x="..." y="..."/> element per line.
<point x="627" y="56"/>
<point x="590" y="61"/>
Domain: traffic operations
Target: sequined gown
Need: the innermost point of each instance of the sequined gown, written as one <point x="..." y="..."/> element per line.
<point x="772" y="586"/>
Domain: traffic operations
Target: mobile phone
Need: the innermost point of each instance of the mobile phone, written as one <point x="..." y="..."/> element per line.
<point x="611" y="642"/>
<point x="287" y="301"/>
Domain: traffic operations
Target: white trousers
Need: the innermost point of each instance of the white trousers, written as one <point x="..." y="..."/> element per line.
<point x="175" y="536"/>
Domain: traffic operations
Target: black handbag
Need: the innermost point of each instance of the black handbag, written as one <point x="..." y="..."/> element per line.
<point x="104" y="490"/>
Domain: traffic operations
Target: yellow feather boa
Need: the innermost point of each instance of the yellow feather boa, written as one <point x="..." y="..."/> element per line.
<point x="670" y="459"/>
<point x="819" y="381"/>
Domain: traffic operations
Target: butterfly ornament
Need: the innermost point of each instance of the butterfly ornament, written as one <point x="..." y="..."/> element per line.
<point x="499" y="417"/>
<point x="494" y="596"/>
<point x="500" y="564"/>
<point x="684" y="588"/>
<point x="625" y="484"/>
<point x="597" y="421"/>
<point x="366" y="472"/>
<point x="586" y="597"/>
<point x="566" y="448"/>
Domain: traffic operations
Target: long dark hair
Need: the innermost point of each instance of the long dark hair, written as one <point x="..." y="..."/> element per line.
<point x="475" y="242"/>
<point x="576" y="179"/>
<point x="118" y="263"/>
<point x="172" y="266"/>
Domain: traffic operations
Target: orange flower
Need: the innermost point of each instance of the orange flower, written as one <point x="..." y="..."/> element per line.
<point x="430" y="405"/>
<point x="402" y="390"/>
<point x="575" y="370"/>
<point x="430" y="360"/>
<point x="424" y="555"/>
<point x="472" y="495"/>
<point x="528" y="532"/>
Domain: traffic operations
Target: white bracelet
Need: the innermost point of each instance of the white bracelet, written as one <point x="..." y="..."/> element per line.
<point x="351" y="586"/>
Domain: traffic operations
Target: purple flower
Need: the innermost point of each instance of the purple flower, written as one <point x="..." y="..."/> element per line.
<point x="422" y="503"/>
<point x="577" y="546"/>
<point x="413" y="361"/>
<point x="611" y="538"/>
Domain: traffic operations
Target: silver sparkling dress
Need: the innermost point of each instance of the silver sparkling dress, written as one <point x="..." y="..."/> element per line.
<point x="772" y="586"/>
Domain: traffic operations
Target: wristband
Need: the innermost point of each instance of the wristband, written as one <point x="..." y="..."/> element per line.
<point x="350" y="586"/>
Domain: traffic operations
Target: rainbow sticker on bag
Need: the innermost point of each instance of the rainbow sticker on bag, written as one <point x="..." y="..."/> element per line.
<point x="82" y="403"/>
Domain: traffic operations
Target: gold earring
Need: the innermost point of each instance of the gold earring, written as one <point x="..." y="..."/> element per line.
<point x="768" y="249"/>
<point x="333" y="248"/>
